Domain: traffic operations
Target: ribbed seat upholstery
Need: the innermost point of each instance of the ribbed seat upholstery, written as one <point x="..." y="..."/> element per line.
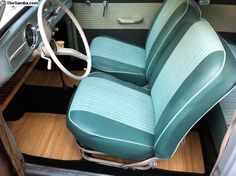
<point x="135" y="64"/>
<point x="119" y="118"/>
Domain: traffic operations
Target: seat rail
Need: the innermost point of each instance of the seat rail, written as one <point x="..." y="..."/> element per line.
<point x="150" y="163"/>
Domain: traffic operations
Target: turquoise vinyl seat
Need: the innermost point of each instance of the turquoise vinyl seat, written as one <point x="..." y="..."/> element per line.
<point x="118" y="118"/>
<point x="133" y="63"/>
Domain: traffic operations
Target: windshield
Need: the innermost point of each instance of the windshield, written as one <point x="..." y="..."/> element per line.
<point x="7" y="13"/>
<point x="2" y="8"/>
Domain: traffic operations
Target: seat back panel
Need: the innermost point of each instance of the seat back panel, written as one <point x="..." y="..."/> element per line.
<point x="166" y="10"/>
<point x="186" y="87"/>
<point x="184" y="109"/>
<point x="184" y="16"/>
<point x="182" y="61"/>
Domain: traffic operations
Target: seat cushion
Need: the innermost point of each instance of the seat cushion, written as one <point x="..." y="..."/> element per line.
<point x="112" y="116"/>
<point x="120" y="59"/>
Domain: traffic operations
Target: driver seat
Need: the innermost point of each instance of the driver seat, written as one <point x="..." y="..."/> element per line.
<point x="121" y="119"/>
<point x="136" y="64"/>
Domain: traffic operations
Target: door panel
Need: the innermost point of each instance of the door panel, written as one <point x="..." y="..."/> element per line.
<point x="94" y="24"/>
<point x="92" y="17"/>
<point x="221" y="17"/>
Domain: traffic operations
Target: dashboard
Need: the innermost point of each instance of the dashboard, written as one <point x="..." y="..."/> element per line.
<point x="23" y="37"/>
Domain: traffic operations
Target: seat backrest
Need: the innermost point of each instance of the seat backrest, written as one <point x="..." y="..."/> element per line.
<point x="197" y="74"/>
<point x="172" y="16"/>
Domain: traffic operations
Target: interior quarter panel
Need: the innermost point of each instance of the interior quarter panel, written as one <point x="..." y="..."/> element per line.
<point x="221" y="17"/>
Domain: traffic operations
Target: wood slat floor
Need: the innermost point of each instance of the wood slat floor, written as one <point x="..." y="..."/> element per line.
<point x="46" y="135"/>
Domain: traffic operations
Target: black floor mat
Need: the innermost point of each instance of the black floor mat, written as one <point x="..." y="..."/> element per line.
<point x="69" y="62"/>
<point x="38" y="99"/>
<point x="208" y="148"/>
<point x="87" y="166"/>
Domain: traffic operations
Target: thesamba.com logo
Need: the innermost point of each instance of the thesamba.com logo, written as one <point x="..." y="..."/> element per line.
<point x="19" y="3"/>
<point x="2" y="2"/>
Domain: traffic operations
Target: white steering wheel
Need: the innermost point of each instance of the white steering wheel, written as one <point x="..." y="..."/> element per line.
<point x="46" y="35"/>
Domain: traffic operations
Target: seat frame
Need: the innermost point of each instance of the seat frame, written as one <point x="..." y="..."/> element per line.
<point x="150" y="163"/>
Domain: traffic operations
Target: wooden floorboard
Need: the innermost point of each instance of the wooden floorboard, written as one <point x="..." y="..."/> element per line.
<point x="188" y="156"/>
<point x="46" y="135"/>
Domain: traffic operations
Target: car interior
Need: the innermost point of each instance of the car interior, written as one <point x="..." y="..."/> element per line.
<point x="117" y="87"/>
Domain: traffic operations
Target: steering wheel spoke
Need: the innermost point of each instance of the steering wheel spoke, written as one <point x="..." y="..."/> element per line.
<point x="71" y="52"/>
<point x="46" y="34"/>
